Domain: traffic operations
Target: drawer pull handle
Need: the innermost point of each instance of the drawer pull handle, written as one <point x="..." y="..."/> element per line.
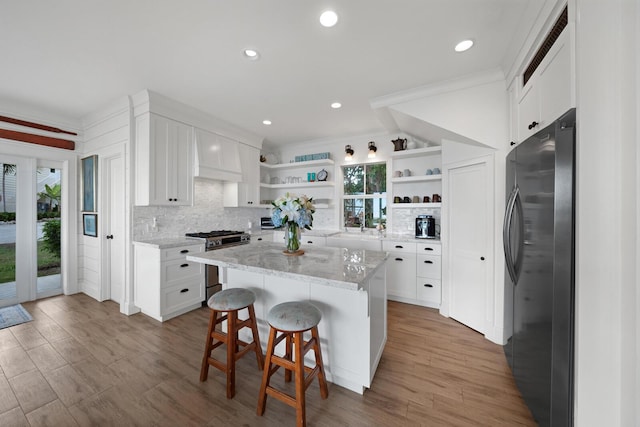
<point x="428" y="249"/>
<point x="399" y="247"/>
<point x="184" y="251"/>
<point x="182" y="291"/>
<point x="399" y="259"/>
<point x="259" y="239"/>
<point x="309" y="241"/>
<point x="428" y="285"/>
<point x="428" y="262"/>
<point x="184" y="265"/>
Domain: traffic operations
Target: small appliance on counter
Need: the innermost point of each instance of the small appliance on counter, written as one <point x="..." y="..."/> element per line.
<point x="266" y="223"/>
<point x="425" y="227"/>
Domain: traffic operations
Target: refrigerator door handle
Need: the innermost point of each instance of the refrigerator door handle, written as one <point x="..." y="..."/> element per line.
<point x="517" y="263"/>
<point x="506" y="233"/>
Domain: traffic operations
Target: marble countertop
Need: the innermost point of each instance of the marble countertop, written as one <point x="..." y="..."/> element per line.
<point x="355" y="235"/>
<point x="171" y="242"/>
<point x="337" y="267"/>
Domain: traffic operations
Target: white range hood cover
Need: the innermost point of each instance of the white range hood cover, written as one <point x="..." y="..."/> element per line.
<point x="216" y="157"/>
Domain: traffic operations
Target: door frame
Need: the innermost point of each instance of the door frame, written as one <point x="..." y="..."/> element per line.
<point x="29" y="154"/>
<point x="490" y="287"/>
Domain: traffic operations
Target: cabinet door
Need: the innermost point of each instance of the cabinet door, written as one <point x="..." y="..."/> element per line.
<point x="164" y="159"/>
<point x="528" y="110"/>
<point x="247" y="191"/>
<point x="556" y="92"/>
<point x="401" y="275"/>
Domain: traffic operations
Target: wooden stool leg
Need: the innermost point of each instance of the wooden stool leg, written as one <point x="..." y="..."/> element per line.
<point x="298" y="344"/>
<point x="288" y="354"/>
<point x="204" y="371"/>
<point x="232" y="337"/>
<point x="266" y="373"/>
<point x="324" y="392"/>
<point x="256" y="337"/>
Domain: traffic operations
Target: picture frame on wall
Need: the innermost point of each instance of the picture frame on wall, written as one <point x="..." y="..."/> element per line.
<point x="90" y="225"/>
<point x="89" y="183"/>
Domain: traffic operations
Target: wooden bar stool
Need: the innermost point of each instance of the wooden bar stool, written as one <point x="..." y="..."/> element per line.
<point x="292" y="319"/>
<point x="230" y="301"/>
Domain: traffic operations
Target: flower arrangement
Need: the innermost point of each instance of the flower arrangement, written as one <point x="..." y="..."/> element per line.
<point x="292" y="212"/>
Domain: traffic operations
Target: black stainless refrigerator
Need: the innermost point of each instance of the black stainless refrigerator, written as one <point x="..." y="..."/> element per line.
<point x="539" y="251"/>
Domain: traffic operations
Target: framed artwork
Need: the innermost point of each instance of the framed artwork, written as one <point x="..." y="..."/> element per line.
<point x="89" y="183"/>
<point x="90" y="225"/>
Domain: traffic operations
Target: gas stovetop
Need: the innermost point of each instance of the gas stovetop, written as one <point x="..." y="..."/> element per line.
<point x="221" y="238"/>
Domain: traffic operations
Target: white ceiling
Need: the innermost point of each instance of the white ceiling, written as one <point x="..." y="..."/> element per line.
<point x="73" y="57"/>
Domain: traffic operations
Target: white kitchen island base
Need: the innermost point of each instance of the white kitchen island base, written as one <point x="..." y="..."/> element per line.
<point x="353" y="329"/>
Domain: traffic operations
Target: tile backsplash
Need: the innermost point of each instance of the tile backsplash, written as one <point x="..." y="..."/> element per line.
<point x="206" y="214"/>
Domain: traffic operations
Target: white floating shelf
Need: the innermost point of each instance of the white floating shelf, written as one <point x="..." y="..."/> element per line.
<point x="416" y="205"/>
<point x="416" y="152"/>
<point x="315" y="184"/>
<point x="416" y="178"/>
<point x="309" y="163"/>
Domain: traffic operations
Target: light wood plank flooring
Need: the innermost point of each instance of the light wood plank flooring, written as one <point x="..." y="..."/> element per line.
<point x="81" y="362"/>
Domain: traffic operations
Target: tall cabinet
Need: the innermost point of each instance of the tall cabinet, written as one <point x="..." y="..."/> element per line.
<point x="164" y="162"/>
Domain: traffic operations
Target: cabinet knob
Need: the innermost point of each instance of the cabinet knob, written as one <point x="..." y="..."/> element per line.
<point x="512" y="143"/>
<point x="109" y="236"/>
<point x="533" y="124"/>
<point x="481" y="258"/>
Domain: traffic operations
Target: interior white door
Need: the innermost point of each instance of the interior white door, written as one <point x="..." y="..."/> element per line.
<point x="470" y="197"/>
<point x="114" y="228"/>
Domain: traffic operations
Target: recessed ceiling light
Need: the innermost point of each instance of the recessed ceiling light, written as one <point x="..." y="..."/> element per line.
<point x="251" y="53"/>
<point x="328" y="18"/>
<point x="266" y="122"/>
<point x="464" y="45"/>
<point x="336" y="105"/>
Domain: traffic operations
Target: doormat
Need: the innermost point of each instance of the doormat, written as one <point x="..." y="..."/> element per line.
<point x="13" y="315"/>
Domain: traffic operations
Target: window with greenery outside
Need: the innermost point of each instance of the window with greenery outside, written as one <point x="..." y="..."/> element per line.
<point x="365" y="195"/>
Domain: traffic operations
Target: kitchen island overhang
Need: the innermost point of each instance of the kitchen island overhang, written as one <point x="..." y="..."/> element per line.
<point x="348" y="286"/>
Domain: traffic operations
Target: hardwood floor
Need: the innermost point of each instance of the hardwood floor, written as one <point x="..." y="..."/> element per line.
<point x="80" y="362"/>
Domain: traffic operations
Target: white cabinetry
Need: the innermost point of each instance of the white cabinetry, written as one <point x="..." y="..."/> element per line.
<point x="276" y="180"/>
<point x="245" y="193"/>
<point x="401" y="269"/>
<point x="414" y="272"/>
<point x="163" y="162"/>
<point x="166" y="284"/>
<point x="418" y="184"/>
<point x="550" y="91"/>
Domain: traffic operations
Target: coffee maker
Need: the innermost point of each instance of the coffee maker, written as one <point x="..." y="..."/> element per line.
<point x="425" y="227"/>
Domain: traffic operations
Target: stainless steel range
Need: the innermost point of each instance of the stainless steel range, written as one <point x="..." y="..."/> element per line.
<point x="218" y="240"/>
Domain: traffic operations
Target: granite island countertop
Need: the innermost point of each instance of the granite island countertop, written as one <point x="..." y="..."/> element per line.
<point x="337" y="267"/>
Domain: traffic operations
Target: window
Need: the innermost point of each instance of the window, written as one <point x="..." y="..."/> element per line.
<point x="365" y="195"/>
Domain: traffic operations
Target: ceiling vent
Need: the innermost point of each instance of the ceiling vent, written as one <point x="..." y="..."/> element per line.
<point x="553" y="35"/>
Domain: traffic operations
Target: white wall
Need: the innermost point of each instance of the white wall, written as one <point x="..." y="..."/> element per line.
<point x="607" y="358"/>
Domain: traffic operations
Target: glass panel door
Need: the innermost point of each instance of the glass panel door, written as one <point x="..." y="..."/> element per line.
<point x="8" y="294"/>
<point x="48" y="196"/>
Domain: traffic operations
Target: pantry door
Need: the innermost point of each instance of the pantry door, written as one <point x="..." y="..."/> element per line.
<point x="470" y="207"/>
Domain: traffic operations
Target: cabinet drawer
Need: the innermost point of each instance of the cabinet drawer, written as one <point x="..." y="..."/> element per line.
<point x="181" y="252"/>
<point x="402" y="247"/>
<point x="313" y="240"/>
<point x="177" y="297"/>
<point x="429" y="248"/>
<point x="429" y="266"/>
<point x="179" y="270"/>
<point x="428" y="289"/>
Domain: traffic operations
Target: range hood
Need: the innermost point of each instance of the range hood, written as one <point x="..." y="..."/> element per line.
<point x="216" y="157"/>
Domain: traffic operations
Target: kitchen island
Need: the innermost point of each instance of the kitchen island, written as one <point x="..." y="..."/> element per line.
<point x="348" y="286"/>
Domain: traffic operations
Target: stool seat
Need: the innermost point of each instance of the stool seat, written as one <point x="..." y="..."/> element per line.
<point x="231" y="299"/>
<point x="294" y="316"/>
